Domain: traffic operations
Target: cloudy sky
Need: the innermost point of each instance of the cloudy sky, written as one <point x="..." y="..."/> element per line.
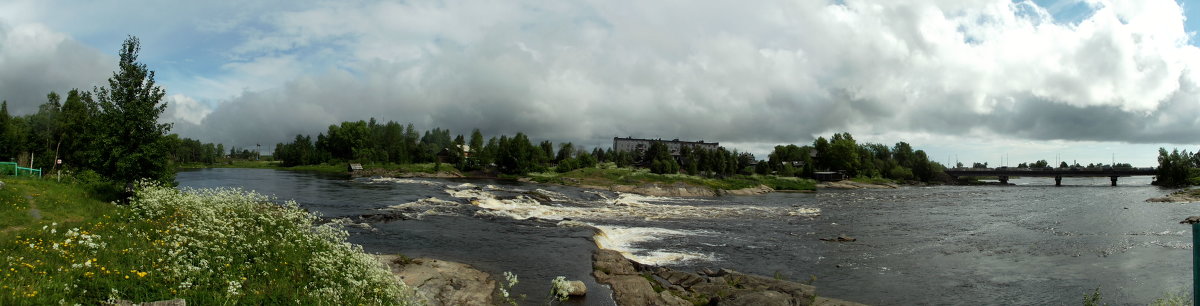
<point x="968" y="80"/>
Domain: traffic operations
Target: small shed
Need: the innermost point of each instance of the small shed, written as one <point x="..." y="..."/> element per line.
<point x="354" y="167"/>
<point x="826" y="176"/>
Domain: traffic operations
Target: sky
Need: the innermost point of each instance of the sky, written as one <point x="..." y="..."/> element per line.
<point x="1003" y="82"/>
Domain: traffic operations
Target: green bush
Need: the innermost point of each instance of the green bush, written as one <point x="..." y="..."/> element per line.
<point x="208" y="246"/>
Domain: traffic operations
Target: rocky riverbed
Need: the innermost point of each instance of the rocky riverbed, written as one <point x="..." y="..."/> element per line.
<point x="848" y="184"/>
<point x="1182" y="196"/>
<point x="439" y="282"/>
<point x="638" y="284"/>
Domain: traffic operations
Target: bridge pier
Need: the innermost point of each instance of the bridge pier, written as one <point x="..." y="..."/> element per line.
<point x="1004" y="180"/>
<point x="1114" y="180"/>
<point x="1057" y="181"/>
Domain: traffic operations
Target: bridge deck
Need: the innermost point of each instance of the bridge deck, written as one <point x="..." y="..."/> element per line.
<point x="1052" y="172"/>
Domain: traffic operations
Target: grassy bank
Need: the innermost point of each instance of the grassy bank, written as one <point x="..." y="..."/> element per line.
<point x="327" y="168"/>
<point x="875" y="180"/>
<point x="606" y="175"/>
<point x="60" y="245"/>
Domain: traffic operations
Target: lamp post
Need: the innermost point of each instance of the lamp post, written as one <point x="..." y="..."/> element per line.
<point x="1195" y="222"/>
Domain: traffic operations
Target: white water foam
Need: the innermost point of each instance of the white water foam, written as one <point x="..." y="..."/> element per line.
<point x="622" y="239"/>
<point x="520" y="208"/>
<point x="404" y="181"/>
<point x="624" y="206"/>
<point x="423" y="203"/>
<point x="426" y="207"/>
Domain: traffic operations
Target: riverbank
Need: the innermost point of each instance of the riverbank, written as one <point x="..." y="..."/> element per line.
<point x="430" y="170"/>
<point x="641" y="181"/>
<point x="62" y="245"/>
<point x="1182" y="196"/>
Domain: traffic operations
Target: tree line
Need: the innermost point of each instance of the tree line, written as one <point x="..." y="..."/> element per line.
<point x="371" y="141"/>
<point x="1178" y="168"/>
<point x="111" y="130"/>
<point x="842" y="153"/>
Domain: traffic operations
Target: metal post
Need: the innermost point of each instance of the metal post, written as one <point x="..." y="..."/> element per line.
<point x="1195" y="222"/>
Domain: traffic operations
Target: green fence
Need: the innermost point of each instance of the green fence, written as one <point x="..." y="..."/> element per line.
<point x="15" y="170"/>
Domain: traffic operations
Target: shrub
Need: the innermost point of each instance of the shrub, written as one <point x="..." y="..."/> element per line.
<point x="207" y="246"/>
<point x="245" y="238"/>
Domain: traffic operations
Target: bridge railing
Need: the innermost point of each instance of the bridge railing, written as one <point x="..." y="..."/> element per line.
<point x="15" y="170"/>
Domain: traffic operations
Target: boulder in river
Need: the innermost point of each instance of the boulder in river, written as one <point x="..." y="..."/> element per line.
<point x="577" y="288"/>
<point x="840" y="238"/>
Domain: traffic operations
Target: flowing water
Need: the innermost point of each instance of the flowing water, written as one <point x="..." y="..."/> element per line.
<point x="1031" y="243"/>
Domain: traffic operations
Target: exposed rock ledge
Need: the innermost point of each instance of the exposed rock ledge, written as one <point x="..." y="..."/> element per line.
<point x="440" y="282"/>
<point x="637" y="284"/>
<point x="660" y="190"/>
<point x="402" y="174"/>
<point x="756" y="190"/>
<point x="1182" y="196"/>
<point x="848" y="184"/>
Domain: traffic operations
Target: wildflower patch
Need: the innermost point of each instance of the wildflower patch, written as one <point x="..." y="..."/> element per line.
<point x="207" y="246"/>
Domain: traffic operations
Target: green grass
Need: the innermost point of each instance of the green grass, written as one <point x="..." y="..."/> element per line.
<point x="606" y="175"/>
<point x="62" y="245"/>
<point x="328" y="167"/>
<point x="873" y="180"/>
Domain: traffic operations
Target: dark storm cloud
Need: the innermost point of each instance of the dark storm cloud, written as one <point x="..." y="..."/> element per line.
<point x="35" y="61"/>
<point x="756" y="72"/>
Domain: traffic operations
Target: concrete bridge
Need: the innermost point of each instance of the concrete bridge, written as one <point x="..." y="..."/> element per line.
<point x="1003" y="173"/>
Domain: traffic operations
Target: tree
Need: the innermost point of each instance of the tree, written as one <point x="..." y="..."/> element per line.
<point x="78" y="113"/>
<point x="1175" y="169"/>
<point x="661" y="161"/>
<point x="922" y="168"/>
<point x="903" y="154"/>
<point x="822" y="147"/>
<point x="516" y="155"/>
<point x="843" y="154"/>
<point x="475" y="150"/>
<point x="565" y="151"/>
<point x="7" y="144"/>
<point x="546" y="153"/>
<point x="132" y="144"/>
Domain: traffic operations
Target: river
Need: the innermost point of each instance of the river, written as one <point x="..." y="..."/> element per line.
<point x="1031" y="243"/>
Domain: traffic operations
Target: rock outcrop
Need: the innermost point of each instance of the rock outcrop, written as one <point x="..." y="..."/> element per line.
<point x="440" y="282"/>
<point x="576" y="288"/>
<point x="660" y="190"/>
<point x="756" y="190"/>
<point x="637" y="284"/>
<point x="840" y="238"/>
<point x="1182" y="196"/>
<point x="848" y="184"/>
<point x="400" y="173"/>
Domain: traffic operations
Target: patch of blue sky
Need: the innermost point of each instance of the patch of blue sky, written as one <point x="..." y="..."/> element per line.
<point x="1066" y="11"/>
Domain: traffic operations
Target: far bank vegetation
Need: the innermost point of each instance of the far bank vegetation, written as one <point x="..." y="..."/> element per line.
<point x="392" y="145"/>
